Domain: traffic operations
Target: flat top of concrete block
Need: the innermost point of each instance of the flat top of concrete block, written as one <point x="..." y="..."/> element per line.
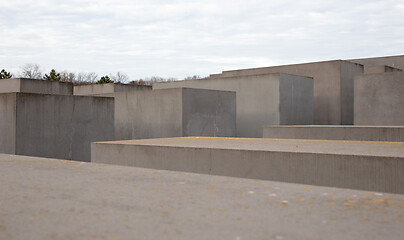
<point x="332" y="126"/>
<point x="352" y="148"/>
<point x="48" y="199"/>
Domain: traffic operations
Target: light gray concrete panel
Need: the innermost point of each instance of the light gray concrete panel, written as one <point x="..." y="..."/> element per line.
<point x="26" y="85"/>
<point x="335" y="132"/>
<point x="257" y="98"/>
<point x="47" y="199"/>
<point x="379" y="99"/>
<point x="174" y="113"/>
<point x="7" y="122"/>
<point x="392" y="61"/>
<point x="148" y="114"/>
<point x="62" y="126"/>
<point x="208" y="113"/>
<point x="107" y="89"/>
<point x="373" y="166"/>
<point x="296" y="100"/>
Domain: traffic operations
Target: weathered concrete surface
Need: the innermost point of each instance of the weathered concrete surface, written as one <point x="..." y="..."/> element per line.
<point x="336" y="132"/>
<point x="392" y="61"/>
<point x="25" y="85"/>
<point x="174" y="113"/>
<point x="58" y="126"/>
<point x="333" y="86"/>
<point x="48" y="199"/>
<point x="379" y="99"/>
<point x="380" y="69"/>
<point x="7" y="122"/>
<point x="375" y="166"/>
<point x="261" y="99"/>
<point x="107" y="89"/>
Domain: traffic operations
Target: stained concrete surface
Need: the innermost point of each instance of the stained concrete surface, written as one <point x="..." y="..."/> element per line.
<point x="53" y="199"/>
<point x="59" y="126"/>
<point x="337" y="132"/>
<point x="107" y="89"/>
<point x="392" y="61"/>
<point x="374" y="166"/>
<point x="379" y="99"/>
<point x="379" y="69"/>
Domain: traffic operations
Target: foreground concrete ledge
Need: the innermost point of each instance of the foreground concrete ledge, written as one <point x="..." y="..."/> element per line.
<point x="375" y="166"/>
<point x="336" y="132"/>
<point x="48" y="199"/>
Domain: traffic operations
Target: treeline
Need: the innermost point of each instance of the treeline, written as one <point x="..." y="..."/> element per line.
<point x="83" y="78"/>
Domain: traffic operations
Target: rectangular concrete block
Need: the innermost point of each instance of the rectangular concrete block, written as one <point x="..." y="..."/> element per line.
<point x="373" y="166"/>
<point x="392" y="61"/>
<point x="174" y="113"/>
<point x="337" y="132"/>
<point x="107" y="89"/>
<point x="380" y="69"/>
<point x="55" y="126"/>
<point x="261" y="99"/>
<point x="25" y="85"/>
<point x="44" y="198"/>
<point x="379" y="99"/>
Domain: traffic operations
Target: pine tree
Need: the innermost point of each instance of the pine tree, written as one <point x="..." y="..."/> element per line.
<point x="5" y="75"/>
<point x="53" y="76"/>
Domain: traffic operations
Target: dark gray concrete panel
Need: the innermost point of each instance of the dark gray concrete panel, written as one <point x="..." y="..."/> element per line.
<point x="25" y="85"/>
<point x="379" y="99"/>
<point x="374" y="166"/>
<point x="62" y="126"/>
<point x="7" y="122"/>
<point x="296" y="100"/>
<point x="208" y="113"/>
<point x="336" y="132"/>
<point x="48" y="199"/>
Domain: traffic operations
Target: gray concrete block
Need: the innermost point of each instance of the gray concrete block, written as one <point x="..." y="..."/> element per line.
<point x="174" y="113"/>
<point x="373" y="166"/>
<point x="47" y="199"/>
<point x="56" y="126"/>
<point x="380" y="69"/>
<point x="392" y="61"/>
<point x="25" y="85"/>
<point x="261" y="99"/>
<point x="337" y="132"/>
<point x="379" y="99"/>
<point x="106" y="90"/>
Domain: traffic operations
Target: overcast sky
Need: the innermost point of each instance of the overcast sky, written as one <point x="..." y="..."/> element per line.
<point x="181" y="38"/>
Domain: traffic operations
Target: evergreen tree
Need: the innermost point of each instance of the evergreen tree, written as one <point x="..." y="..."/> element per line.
<point x="5" y="75"/>
<point x="53" y="76"/>
<point x="104" y="79"/>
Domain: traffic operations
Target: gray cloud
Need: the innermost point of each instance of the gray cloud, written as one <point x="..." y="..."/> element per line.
<point x="181" y="38"/>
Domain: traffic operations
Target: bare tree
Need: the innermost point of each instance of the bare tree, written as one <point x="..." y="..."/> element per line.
<point x="66" y="76"/>
<point x="31" y="71"/>
<point x="87" y="77"/>
<point x="119" y="77"/>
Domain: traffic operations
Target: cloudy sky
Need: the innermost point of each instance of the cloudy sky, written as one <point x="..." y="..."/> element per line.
<point x="178" y="38"/>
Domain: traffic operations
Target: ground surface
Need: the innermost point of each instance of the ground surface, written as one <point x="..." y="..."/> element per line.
<point x="56" y="199"/>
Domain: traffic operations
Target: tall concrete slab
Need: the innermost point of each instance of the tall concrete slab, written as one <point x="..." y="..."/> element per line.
<point x="107" y="89"/>
<point x="337" y="132"/>
<point x="48" y="199"/>
<point x="7" y="122"/>
<point x="379" y="99"/>
<point x="26" y="85"/>
<point x="373" y="166"/>
<point x="56" y="126"/>
<point x="174" y="113"/>
<point x="392" y="61"/>
<point x="261" y="99"/>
